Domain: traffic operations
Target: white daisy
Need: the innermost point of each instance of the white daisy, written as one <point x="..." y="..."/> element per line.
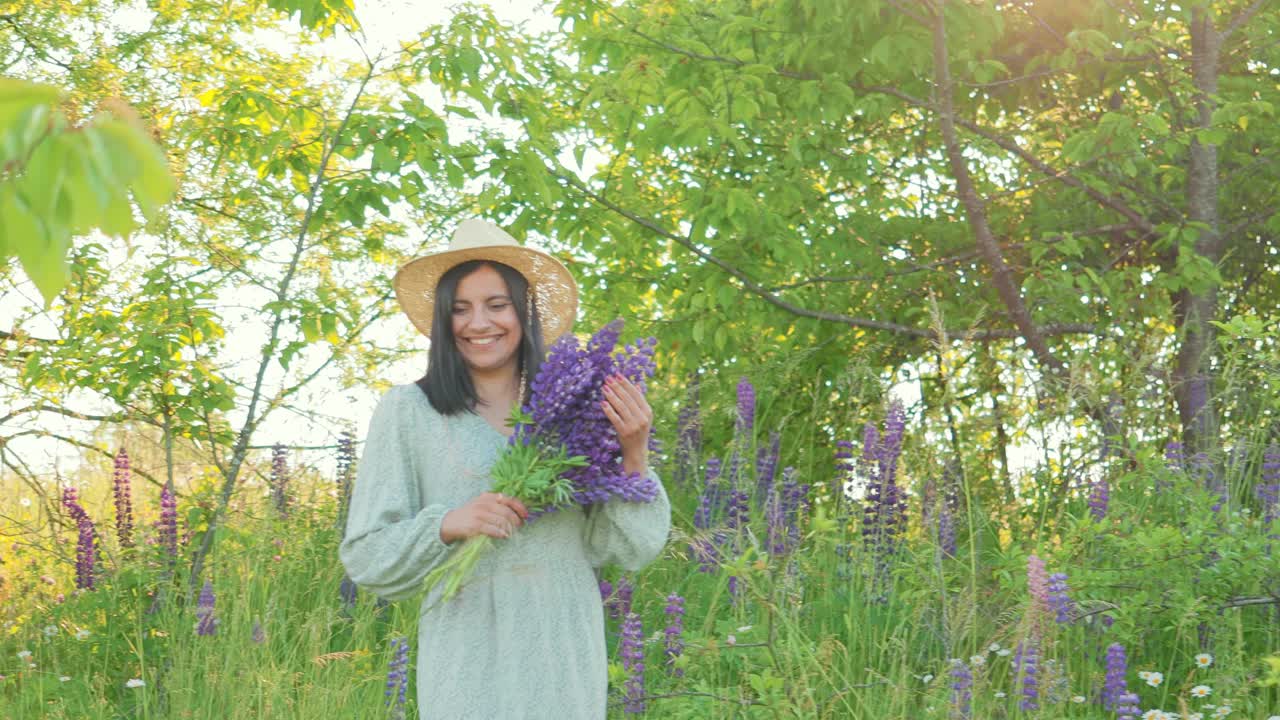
<point x="1204" y="660"/>
<point x="978" y="660"/>
<point x="82" y="635"/>
<point x="1004" y="652"/>
<point x="926" y="678"/>
<point x="1195" y="716"/>
<point x="24" y="654"/>
<point x="1077" y="699"/>
<point x="1222" y="712"/>
<point x="64" y="678"/>
<point x="50" y="630"/>
<point x="1201" y="691"/>
<point x="1000" y="694"/>
<point x="1154" y="679"/>
<point x="993" y="647"/>
<point x="1153" y="715"/>
<point x="134" y="683"/>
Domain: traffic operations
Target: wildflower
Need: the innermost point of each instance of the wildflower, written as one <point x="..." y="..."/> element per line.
<point x="884" y="513"/>
<point x="1037" y="581"/>
<point x="926" y="678"/>
<point x="50" y="630"/>
<point x="134" y="683"/>
<point x="25" y="502"/>
<point x="993" y="647"/>
<point x="1115" y="684"/>
<point x="1099" y="498"/>
<point x="345" y="474"/>
<point x="1222" y="711"/>
<point x="397" y="677"/>
<point x="1060" y="599"/>
<point x="1077" y="699"/>
<point x="1027" y="669"/>
<point x="673" y="634"/>
<point x="124" y="507"/>
<point x="1201" y="691"/>
<point x="206" y="624"/>
<point x="731" y="639"/>
<point x="631" y="649"/>
<point x="82" y="635"/>
<point x="978" y="660"/>
<point x="767" y="467"/>
<point x="618" y="601"/>
<point x="348" y="591"/>
<point x="24" y="654"/>
<point x="64" y="678"/>
<point x="1004" y="652"/>
<point x="279" y="479"/>
<point x="1000" y="695"/>
<point x="1154" y="679"/>
<point x="950" y="505"/>
<point x="86" y="556"/>
<point x="1127" y="707"/>
<point x="688" y="434"/>
<point x="168" y="524"/>
<point x="961" y="688"/>
<point x="746" y="407"/>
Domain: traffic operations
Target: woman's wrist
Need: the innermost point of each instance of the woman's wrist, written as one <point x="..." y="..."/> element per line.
<point x="636" y="461"/>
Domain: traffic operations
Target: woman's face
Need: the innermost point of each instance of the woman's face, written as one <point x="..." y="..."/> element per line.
<point x="485" y="326"/>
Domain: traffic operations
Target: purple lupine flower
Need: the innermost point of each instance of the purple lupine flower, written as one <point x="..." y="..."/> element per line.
<point x="775" y="524"/>
<point x="1099" y="498"/>
<point x="961" y="689"/>
<point x="124" y="507"/>
<point x="1038" y="583"/>
<point x="746" y="408"/>
<point x="1115" y="685"/>
<point x="206" y="623"/>
<point x="1127" y="707"/>
<point x="766" y="468"/>
<point x="737" y="513"/>
<point x="709" y="500"/>
<point x="948" y="509"/>
<point x="795" y="502"/>
<point x="688" y="435"/>
<point x="1268" y="490"/>
<point x="1025" y="663"/>
<point x="884" y="514"/>
<point x="279" y="479"/>
<point x="259" y="635"/>
<point x="1060" y="598"/>
<point x="168" y="524"/>
<point x="631" y="649"/>
<point x="566" y="404"/>
<point x="86" y="555"/>
<point x="673" y="635"/>
<point x="606" y="590"/>
<point x="397" y="677"/>
<point x="71" y="501"/>
<point x="1174" y="457"/>
<point x="844" y="473"/>
<point x="345" y="475"/>
<point x="618" y="601"/>
<point x="348" y="591"/>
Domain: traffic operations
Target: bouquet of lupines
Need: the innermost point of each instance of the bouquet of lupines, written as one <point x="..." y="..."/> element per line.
<point x="564" y="450"/>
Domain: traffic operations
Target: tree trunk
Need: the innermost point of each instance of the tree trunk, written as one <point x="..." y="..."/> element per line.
<point x="1192" y="375"/>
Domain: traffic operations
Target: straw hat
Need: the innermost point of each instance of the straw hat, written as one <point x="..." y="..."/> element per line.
<point x="554" y="289"/>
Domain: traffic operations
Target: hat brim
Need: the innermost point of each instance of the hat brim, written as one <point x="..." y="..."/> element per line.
<point x="555" y="291"/>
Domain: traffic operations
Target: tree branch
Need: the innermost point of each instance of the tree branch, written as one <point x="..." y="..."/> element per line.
<point x="773" y="299"/>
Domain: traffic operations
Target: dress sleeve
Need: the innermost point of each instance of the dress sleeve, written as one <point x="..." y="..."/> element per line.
<point x="629" y="534"/>
<point x="392" y="539"/>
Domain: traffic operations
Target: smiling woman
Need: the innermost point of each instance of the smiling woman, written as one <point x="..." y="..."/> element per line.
<point x="524" y="636"/>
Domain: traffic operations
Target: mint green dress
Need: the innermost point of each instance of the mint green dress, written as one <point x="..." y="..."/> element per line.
<point x="524" y="638"/>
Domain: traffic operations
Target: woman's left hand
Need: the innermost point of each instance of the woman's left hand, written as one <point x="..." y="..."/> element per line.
<point x="632" y="417"/>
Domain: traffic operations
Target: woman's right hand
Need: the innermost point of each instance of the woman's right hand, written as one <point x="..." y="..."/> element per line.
<point x="492" y="514"/>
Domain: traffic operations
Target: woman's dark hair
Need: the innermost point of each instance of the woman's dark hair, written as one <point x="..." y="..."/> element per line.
<point x="448" y="382"/>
